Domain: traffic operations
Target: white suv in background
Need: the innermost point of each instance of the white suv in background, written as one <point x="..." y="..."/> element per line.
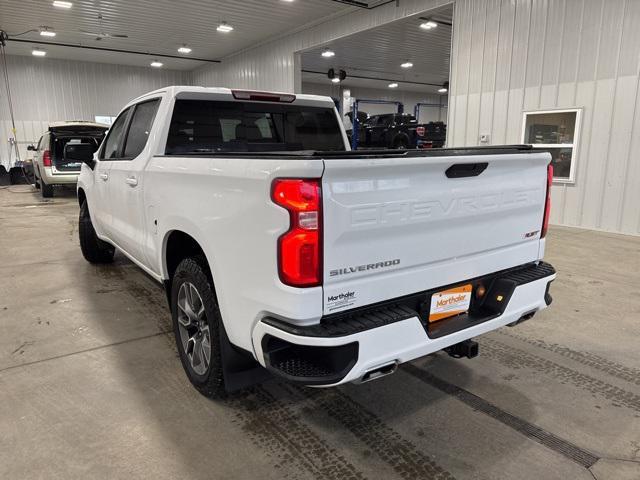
<point x="50" y="166"/>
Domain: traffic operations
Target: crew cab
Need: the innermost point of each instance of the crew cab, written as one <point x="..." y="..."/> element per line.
<point x="283" y="253"/>
<point x="50" y="163"/>
<point x="399" y="131"/>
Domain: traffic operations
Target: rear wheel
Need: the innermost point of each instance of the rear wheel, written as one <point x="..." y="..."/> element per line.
<point x="196" y="325"/>
<point x="45" y="189"/>
<point x="93" y="249"/>
<point x="401" y="144"/>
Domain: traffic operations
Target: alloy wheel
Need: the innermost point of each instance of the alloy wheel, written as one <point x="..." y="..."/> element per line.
<point x="195" y="334"/>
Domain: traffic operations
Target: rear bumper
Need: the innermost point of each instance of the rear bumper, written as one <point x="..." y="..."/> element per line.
<point x="52" y="176"/>
<point x="344" y="348"/>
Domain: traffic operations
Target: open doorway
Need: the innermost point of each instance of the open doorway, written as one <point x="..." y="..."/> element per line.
<point x="391" y="82"/>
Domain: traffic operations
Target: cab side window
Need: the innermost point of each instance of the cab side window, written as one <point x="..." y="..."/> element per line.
<point x="113" y="144"/>
<point x="140" y="127"/>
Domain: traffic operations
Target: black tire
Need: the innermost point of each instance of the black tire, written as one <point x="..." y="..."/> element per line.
<point x="194" y="272"/>
<point x="93" y="249"/>
<point x="401" y="144"/>
<point x="45" y="189"/>
<point x="36" y="182"/>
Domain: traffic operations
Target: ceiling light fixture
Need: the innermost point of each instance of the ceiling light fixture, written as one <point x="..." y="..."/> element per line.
<point x="61" y="4"/>
<point x="428" y="25"/>
<point x="444" y="88"/>
<point x="328" y="53"/>
<point x="156" y="64"/>
<point x="224" y="27"/>
<point x="184" y="49"/>
<point x="393" y="85"/>
<point x="335" y="80"/>
<point x="45" y="32"/>
<point x="407" y="65"/>
<point x="38" y="52"/>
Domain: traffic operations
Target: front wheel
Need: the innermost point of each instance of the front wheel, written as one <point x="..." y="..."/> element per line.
<point x="93" y="249"/>
<point x="196" y="325"/>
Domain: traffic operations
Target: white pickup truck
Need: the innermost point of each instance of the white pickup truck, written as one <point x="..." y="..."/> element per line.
<point x="284" y="253"/>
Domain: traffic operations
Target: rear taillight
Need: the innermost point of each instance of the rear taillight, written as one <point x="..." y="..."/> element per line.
<point x="420" y="131"/>
<point x="547" y="203"/>
<point x="300" y="247"/>
<point x="46" y="158"/>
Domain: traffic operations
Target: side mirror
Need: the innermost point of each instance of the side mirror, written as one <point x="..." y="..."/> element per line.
<point x="31" y="148"/>
<point x="80" y="152"/>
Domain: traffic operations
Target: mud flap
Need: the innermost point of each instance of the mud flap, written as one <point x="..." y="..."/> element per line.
<point x="240" y="369"/>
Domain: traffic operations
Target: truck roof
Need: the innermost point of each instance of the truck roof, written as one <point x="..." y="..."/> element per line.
<point x="184" y="90"/>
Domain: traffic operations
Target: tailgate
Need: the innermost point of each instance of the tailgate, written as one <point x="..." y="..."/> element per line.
<point x="399" y="225"/>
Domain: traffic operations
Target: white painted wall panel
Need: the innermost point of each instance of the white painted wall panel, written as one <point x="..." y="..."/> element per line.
<point x="45" y="90"/>
<point x="515" y="55"/>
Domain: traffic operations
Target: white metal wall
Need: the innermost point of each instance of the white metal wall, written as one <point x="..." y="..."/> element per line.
<point x="408" y="98"/>
<point x="45" y="90"/>
<point x="511" y="56"/>
<point x="272" y="65"/>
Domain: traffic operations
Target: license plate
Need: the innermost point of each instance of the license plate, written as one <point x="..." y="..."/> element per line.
<point x="449" y="303"/>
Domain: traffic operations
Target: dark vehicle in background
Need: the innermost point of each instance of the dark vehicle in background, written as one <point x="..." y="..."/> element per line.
<point x="50" y="164"/>
<point x="399" y="131"/>
<point x="435" y="135"/>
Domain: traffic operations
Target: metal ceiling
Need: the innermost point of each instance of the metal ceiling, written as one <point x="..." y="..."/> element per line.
<point x="378" y="53"/>
<point x="157" y="26"/>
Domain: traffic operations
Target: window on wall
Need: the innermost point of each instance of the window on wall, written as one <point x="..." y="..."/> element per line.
<point x="556" y="131"/>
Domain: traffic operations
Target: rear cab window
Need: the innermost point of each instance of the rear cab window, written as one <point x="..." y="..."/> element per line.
<point x="212" y="126"/>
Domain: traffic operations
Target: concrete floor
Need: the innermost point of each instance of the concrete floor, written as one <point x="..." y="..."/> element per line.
<point x="91" y="387"/>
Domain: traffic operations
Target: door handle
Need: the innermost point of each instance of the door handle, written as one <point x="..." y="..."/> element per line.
<point x="462" y="170"/>
<point x="104" y="176"/>
<point x="132" y="181"/>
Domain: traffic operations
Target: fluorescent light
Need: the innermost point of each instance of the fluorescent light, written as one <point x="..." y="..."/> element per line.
<point x="335" y="80"/>
<point x="156" y="64"/>
<point x="393" y="85"/>
<point x="38" y="52"/>
<point x="428" y="25"/>
<point x="407" y="65"/>
<point x="184" y="49"/>
<point x="289" y="1"/>
<point x="443" y="90"/>
<point x="224" y="27"/>
<point x="328" y="53"/>
<point x="45" y="32"/>
<point x="61" y="4"/>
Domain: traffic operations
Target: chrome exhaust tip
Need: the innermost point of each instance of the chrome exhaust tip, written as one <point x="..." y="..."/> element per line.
<point x="379" y="372"/>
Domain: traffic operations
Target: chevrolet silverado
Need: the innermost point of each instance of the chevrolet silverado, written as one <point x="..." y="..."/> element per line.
<point x="284" y="253"/>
